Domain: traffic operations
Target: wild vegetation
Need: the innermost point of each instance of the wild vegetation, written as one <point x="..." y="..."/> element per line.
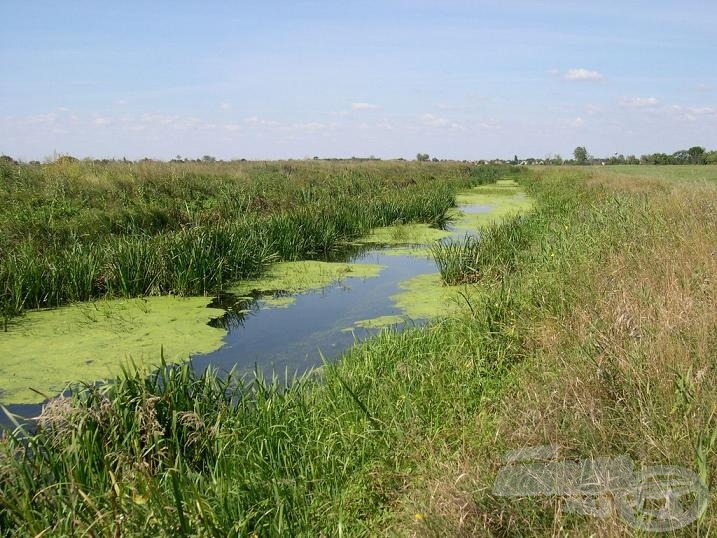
<point x="73" y="231"/>
<point x="592" y="326"/>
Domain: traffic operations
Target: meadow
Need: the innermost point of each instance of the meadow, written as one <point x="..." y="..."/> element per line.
<point x="592" y="326"/>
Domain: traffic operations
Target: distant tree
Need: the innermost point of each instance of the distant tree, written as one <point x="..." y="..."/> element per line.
<point x="435" y="159"/>
<point x="515" y="159"/>
<point x="697" y="154"/>
<point x="7" y="159"/>
<point x="680" y="157"/>
<point x="422" y="157"/>
<point x="209" y="159"/>
<point x="710" y="157"/>
<point x="66" y="159"/>
<point x="581" y="155"/>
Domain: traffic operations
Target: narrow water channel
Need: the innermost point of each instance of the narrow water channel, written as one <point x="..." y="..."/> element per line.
<point x="319" y="324"/>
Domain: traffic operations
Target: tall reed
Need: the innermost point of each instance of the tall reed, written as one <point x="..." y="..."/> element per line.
<point x="78" y="231"/>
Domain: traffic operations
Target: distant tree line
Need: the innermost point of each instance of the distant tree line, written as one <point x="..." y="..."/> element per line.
<point x="693" y="155"/>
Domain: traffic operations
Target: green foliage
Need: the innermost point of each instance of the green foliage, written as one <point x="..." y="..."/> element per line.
<point x="581" y="155"/>
<point x="73" y="230"/>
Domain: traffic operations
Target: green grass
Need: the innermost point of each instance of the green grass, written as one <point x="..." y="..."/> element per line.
<point x="575" y="334"/>
<point x="495" y="253"/>
<point x="74" y="231"/>
<point x="661" y="172"/>
<point x="175" y="452"/>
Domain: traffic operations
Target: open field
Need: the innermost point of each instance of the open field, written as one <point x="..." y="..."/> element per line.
<point x="665" y="172"/>
<point x="591" y="325"/>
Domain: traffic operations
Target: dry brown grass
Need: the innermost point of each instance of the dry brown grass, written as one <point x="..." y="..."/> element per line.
<point x="630" y="370"/>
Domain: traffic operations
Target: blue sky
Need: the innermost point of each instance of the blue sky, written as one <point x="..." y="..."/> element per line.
<point x="294" y="79"/>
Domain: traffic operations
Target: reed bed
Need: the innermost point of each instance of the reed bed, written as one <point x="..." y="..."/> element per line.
<point x="74" y="231"/>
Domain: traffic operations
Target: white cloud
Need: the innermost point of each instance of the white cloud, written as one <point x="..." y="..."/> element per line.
<point x="48" y="118"/>
<point x="578" y="122"/>
<point x="312" y="126"/>
<point x="582" y="74"/>
<point x="225" y="106"/>
<point x="256" y="120"/>
<point x="694" y="113"/>
<point x="639" y="102"/>
<point x="120" y="102"/>
<point x="160" y="119"/>
<point x="490" y="124"/>
<point x="102" y="121"/>
<point x="364" y="106"/>
<point x="431" y="120"/>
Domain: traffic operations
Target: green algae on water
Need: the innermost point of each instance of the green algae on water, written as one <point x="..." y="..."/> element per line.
<point x="422" y="297"/>
<point x="278" y="301"/>
<point x="301" y="276"/>
<point x="405" y="234"/>
<point x="380" y="322"/>
<point x="46" y="349"/>
<point x="504" y="202"/>
<point x="425" y="296"/>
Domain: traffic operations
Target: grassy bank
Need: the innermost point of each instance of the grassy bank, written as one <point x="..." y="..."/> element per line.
<point x="592" y="326"/>
<point x="73" y="231"/>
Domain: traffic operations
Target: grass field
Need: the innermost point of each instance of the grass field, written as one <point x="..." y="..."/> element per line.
<point x="669" y="172"/>
<point x="592" y="326"/>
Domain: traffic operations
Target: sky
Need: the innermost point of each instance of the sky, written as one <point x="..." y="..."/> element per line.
<point x="388" y="78"/>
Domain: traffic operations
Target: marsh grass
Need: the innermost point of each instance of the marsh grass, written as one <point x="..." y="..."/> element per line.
<point x="176" y="452"/>
<point x="593" y="327"/>
<point x="616" y="298"/>
<point x="493" y="254"/>
<point x="74" y="231"/>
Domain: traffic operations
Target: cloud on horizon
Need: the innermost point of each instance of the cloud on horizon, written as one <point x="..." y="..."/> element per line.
<point x="364" y="106"/>
<point x="582" y="74"/>
<point x="639" y="102"/>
